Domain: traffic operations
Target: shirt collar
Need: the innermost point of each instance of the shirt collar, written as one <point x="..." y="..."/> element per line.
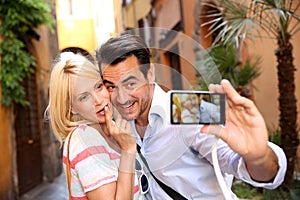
<point x="160" y="105"/>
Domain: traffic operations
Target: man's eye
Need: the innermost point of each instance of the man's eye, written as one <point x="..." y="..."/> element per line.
<point x="131" y="85"/>
<point x="110" y="88"/>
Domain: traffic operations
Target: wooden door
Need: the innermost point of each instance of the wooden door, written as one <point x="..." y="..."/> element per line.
<point x="27" y="126"/>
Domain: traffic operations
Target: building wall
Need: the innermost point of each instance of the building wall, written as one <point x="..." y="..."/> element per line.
<point x="118" y="17"/>
<point x="187" y="46"/>
<point x="46" y="50"/>
<point x="188" y="16"/>
<point x="166" y="20"/>
<point x="133" y="11"/>
<point x="6" y="190"/>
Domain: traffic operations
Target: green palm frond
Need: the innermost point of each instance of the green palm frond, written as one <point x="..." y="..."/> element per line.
<point x="238" y="20"/>
<point x="230" y="68"/>
<point x="249" y="71"/>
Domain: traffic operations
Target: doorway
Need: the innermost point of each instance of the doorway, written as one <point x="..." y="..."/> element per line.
<point x="28" y="141"/>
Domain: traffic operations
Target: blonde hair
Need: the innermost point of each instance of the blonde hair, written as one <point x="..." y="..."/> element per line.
<point x="68" y="65"/>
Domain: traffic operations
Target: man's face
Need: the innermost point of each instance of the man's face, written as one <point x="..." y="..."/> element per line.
<point x="129" y="89"/>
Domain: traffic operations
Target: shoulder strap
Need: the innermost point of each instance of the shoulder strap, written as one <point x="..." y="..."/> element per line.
<point x="68" y="169"/>
<point x="171" y="192"/>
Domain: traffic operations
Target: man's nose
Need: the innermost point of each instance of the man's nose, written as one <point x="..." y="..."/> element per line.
<point x="121" y="95"/>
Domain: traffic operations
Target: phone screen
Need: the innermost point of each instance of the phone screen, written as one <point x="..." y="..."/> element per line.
<point x="197" y="107"/>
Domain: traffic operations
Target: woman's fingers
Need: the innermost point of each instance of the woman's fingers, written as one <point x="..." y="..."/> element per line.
<point x="120" y="130"/>
<point x="121" y="123"/>
<point x="119" y="126"/>
<point x="108" y="119"/>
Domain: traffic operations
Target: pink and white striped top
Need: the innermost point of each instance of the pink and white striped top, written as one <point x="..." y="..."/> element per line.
<point x="93" y="162"/>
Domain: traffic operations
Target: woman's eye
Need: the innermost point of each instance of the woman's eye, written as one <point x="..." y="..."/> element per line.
<point x="99" y="86"/>
<point x="83" y="97"/>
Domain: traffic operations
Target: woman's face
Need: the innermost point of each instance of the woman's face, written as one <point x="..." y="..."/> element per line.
<point x="89" y="99"/>
<point x="188" y="103"/>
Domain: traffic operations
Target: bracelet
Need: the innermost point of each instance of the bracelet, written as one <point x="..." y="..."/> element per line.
<point x="127" y="162"/>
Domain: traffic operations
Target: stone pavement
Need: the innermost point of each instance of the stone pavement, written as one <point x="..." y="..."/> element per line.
<point x="56" y="190"/>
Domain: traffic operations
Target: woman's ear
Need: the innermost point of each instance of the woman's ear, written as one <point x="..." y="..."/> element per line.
<point x="73" y="111"/>
<point x="151" y="73"/>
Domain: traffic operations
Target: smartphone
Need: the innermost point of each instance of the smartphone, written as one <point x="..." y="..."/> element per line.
<point x="197" y="107"/>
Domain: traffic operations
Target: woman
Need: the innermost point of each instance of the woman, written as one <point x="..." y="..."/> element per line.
<point x="98" y="153"/>
<point x="189" y="112"/>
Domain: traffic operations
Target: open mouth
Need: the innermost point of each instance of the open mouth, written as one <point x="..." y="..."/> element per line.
<point x="101" y="112"/>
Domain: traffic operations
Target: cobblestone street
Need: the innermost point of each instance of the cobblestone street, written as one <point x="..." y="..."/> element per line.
<point x="48" y="191"/>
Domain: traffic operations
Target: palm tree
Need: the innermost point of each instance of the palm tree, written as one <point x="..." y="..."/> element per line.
<point x="234" y="22"/>
<point x="240" y="74"/>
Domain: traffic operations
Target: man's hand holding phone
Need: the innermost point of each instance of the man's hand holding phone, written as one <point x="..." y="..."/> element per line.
<point x="245" y="132"/>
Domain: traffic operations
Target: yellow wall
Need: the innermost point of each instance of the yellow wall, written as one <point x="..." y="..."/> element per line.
<point x="76" y="33"/>
<point x="75" y="24"/>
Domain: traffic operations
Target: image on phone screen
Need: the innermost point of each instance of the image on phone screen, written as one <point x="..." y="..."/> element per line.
<point x="197" y="107"/>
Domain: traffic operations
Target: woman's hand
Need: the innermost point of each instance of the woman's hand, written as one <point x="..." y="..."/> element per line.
<point x="120" y="130"/>
<point x="123" y="187"/>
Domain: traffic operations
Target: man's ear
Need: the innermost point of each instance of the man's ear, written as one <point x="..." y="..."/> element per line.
<point x="151" y="73"/>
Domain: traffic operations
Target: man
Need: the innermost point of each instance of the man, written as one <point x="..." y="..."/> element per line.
<point x="181" y="156"/>
<point x="208" y="111"/>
